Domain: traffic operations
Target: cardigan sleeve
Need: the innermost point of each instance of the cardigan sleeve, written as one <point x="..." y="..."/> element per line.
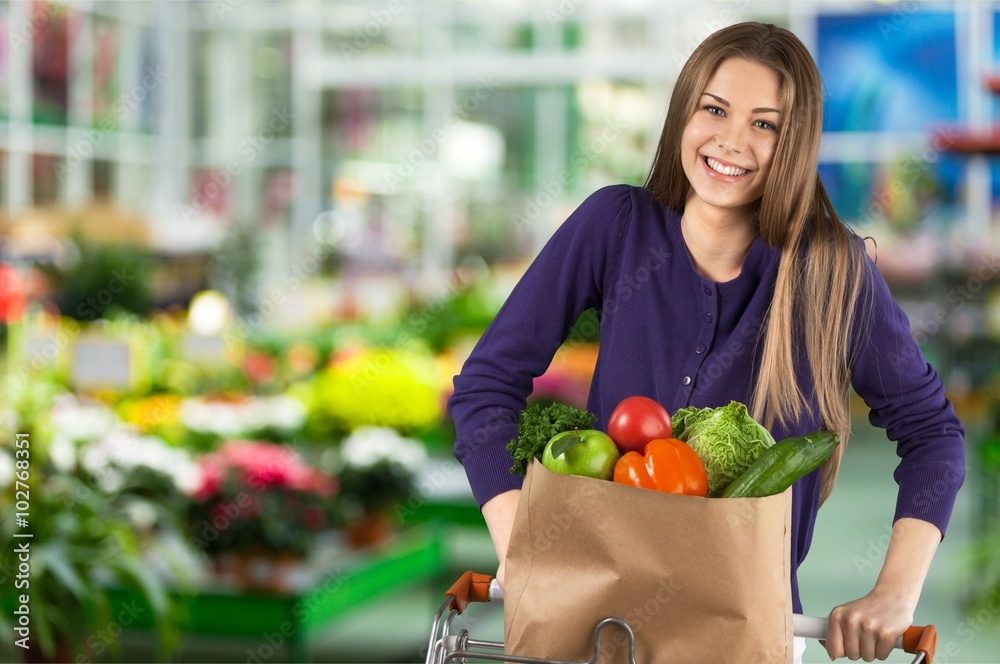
<point x="907" y="399"/>
<point x="565" y="279"/>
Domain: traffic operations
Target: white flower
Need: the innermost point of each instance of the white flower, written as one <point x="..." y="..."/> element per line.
<point x="62" y="453"/>
<point x="141" y="513"/>
<point x="123" y="450"/>
<point x="222" y="419"/>
<point x="232" y="420"/>
<point x="368" y="445"/>
<point x="78" y="421"/>
<point x="282" y="412"/>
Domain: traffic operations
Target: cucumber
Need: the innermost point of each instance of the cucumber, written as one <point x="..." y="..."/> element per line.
<point x="780" y="465"/>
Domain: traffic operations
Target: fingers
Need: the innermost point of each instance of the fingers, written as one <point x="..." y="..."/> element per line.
<point x="853" y="635"/>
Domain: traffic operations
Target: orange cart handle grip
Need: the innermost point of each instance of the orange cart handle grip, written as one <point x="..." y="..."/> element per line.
<point x="470" y="587"/>
<point x="921" y="640"/>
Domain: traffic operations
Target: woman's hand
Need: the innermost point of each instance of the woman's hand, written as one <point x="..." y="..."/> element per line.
<point x="868" y="628"/>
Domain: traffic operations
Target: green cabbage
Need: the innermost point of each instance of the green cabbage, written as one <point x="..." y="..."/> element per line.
<point x="726" y="439"/>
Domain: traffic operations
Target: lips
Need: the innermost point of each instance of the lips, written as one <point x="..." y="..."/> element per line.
<point x="723" y="168"/>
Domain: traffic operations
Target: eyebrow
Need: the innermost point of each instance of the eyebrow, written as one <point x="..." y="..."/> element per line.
<point x="726" y="104"/>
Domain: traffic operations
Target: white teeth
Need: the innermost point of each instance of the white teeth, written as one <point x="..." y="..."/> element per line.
<point x="724" y="170"/>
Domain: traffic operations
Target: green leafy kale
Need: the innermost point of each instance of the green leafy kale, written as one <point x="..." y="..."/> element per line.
<point x="536" y="426"/>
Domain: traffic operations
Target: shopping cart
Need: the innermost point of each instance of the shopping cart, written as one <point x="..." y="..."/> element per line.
<point x="447" y="646"/>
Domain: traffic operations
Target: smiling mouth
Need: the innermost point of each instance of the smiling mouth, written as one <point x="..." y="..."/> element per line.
<point x="722" y="169"/>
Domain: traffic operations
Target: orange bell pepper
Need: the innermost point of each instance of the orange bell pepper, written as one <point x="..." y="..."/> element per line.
<point x="668" y="465"/>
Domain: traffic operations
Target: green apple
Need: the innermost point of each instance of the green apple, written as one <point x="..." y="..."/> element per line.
<point x="590" y="453"/>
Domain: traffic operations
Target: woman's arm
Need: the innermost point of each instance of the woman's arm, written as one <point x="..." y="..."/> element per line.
<point x="566" y="278"/>
<point x="868" y="628"/>
<point x="907" y="399"/>
<point x="499" y="514"/>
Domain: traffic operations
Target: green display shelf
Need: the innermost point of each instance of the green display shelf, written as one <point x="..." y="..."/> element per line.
<point x="456" y="512"/>
<point x="291" y="618"/>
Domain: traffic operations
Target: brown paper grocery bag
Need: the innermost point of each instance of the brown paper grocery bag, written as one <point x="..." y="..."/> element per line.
<point x="699" y="580"/>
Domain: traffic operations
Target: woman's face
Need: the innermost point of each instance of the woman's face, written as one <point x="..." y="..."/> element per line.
<point x="729" y="142"/>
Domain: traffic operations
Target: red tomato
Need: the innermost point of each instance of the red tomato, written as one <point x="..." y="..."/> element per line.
<point x="636" y="421"/>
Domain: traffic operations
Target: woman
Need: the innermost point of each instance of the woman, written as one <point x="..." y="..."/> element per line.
<point x="728" y="276"/>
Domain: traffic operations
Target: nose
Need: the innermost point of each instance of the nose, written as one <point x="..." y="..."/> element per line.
<point x="731" y="138"/>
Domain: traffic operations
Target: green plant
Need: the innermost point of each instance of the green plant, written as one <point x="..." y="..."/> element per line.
<point x="377" y="468"/>
<point x="106" y="278"/>
<point x="82" y="542"/>
<point x="79" y="548"/>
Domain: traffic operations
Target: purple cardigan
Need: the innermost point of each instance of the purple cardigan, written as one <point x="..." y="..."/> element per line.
<point x="672" y="335"/>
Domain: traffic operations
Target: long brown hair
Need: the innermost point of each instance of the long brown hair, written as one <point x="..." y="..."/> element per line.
<point x="821" y="278"/>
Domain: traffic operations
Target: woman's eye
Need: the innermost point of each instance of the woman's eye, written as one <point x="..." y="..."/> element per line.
<point x="764" y="124"/>
<point x="715" y="110"/>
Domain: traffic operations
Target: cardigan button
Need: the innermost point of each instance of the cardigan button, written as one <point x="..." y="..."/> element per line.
<point x="708" y="290"/>
<point x="708" y="317"/>
<point x="700" y="348"/>
<point x="687" y="380"/>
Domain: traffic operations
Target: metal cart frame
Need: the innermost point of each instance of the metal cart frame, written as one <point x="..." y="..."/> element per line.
<point x="446" y="645"/>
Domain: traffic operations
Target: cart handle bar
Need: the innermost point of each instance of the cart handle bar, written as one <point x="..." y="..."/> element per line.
<point x="473" y="587"/>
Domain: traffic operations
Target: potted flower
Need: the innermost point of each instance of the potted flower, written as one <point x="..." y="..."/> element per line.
<point x="377" y="470"/>
<point x="257" y="508"/>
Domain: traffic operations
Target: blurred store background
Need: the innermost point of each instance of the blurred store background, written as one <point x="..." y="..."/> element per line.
<point x="245" y="245"/>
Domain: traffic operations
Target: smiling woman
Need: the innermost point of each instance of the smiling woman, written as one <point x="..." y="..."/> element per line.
<point x="750" y="242"/>
<point x="729" y="143"/>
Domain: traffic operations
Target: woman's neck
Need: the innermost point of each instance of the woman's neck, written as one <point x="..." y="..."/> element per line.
<point x="717" y="241"/>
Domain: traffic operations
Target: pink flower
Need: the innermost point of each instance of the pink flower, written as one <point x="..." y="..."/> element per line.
<point x="213" y="474"/>
<point x="262" y="465"/>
